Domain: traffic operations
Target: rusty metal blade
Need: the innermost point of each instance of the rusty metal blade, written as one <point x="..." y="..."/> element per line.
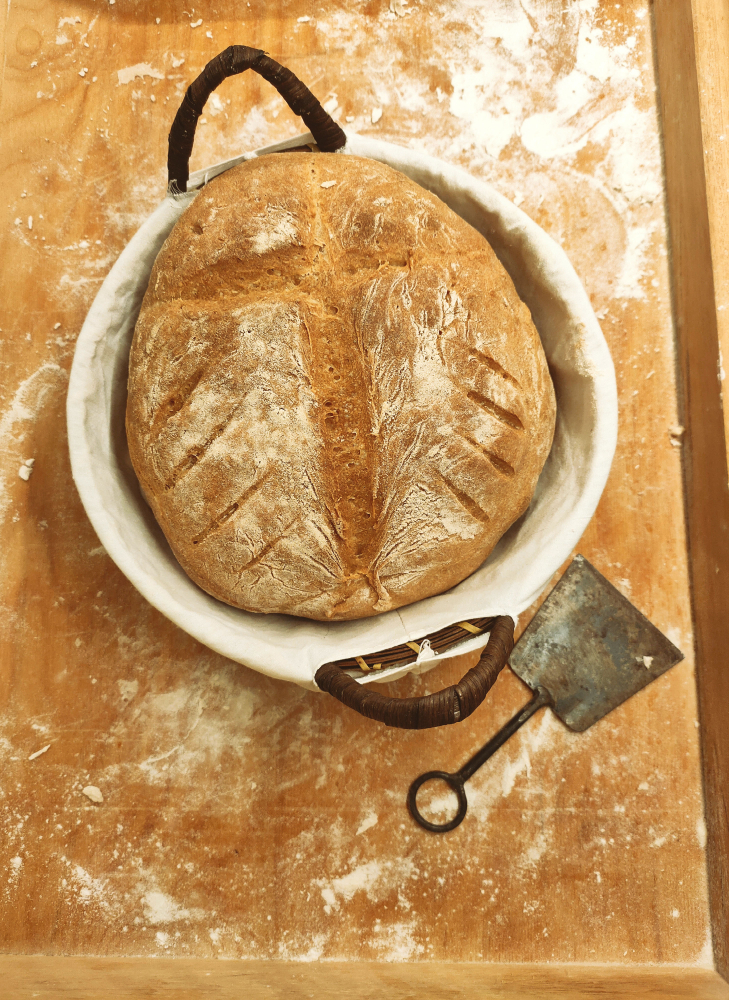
<point x="590" y="648"/>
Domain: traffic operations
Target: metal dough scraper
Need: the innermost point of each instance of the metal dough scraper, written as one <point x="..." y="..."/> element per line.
<point x="586" y="651"/>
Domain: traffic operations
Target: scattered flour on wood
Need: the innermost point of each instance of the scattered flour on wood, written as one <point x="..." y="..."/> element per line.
<point x="303" y="948"/>
<point x="23" y="409"/>
<point x="137" y="72"/>
<point x="398" y="941"/>
<point x="701" y="832"/>
<point x="705" y="958"/>
<point x="377" y="879"/>
<point x="367" y="823"/>
<point x="88" y="889"/>
<point x="159" y="908"/>
<point x="512" y="769"/>
<point x="127" y="689"/>
<point x="534" y="89"/>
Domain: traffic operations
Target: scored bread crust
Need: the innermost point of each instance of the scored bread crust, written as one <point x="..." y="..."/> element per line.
<point x="337" y="402"/>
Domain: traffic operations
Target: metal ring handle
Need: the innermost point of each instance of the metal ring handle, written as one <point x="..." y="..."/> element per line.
<point x="456" y="783"/>
<point x="236" y="59"/>
<point x="443" y="708"/>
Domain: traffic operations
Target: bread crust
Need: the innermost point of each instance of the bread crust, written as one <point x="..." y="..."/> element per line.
<point x="337" y="401"/>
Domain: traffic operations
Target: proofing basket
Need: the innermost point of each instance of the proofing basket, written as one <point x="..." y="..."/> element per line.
<point x="524" y="560"/>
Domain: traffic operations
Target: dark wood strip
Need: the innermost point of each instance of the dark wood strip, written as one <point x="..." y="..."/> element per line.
<point x="706" y="482"/>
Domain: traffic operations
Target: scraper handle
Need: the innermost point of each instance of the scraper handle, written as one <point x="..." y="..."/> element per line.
<point x="458" y="780"/>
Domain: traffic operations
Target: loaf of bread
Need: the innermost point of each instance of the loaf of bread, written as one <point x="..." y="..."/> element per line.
<point x="337" y="401"/>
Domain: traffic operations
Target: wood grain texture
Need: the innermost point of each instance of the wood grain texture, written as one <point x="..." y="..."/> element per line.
<point x="705" y="466"/>
<point x="243" y="817"/>
<point x="184" y="979"/>
<point x="711" y="39"/>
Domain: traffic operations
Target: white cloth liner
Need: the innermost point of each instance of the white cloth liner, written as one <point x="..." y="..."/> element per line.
<point x="525" y="559"/>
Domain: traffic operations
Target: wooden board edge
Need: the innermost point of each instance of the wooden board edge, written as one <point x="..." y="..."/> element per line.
<point x="88" y="978"/>
<point x="711" y="41"/>
<point x="706" y="482"/>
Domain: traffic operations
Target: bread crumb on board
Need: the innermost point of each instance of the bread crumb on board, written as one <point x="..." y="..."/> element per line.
<point x="39" y="752"/>
<point x="93" y="793"/>
<point x="26" y="469"/>
<point x="328" y="184"/>
<point x="376" y="115"/>
<point x="676" y="434"/>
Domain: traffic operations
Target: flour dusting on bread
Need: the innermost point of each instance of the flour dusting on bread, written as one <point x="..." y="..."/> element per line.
<point x="277" y="228"/>
<point x="337" y="401"/>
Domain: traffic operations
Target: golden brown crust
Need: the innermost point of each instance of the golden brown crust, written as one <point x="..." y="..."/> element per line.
<point x="337" y="401"/>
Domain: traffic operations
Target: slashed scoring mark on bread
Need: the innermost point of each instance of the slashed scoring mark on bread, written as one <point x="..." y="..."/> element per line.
<point x="233" y="507"/>
<point x="498" y="463"/>
<point x="486" y="359"/>
<point x="195" y="454"/>
<point x="184" y="392"/>
<point x="495" y="410"/>
<point x="466" y="501"/>
<point x="258" y="559"/>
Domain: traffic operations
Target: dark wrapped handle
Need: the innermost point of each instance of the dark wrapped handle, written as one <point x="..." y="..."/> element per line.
<point x="236" y="59"/>
<point x="443" y="708"/>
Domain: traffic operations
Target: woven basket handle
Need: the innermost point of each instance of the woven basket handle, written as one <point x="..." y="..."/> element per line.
<point x="235" y="59"/>
<point x="443" y="708"/>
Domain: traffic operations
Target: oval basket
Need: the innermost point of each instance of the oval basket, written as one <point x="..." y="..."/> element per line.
<point x="527" y="556"/>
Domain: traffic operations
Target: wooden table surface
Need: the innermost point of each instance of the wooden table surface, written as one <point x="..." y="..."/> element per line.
<point x="244" y="817"/>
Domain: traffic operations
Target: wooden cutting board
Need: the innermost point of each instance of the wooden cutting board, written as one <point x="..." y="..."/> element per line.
<point x="244" y="817"/>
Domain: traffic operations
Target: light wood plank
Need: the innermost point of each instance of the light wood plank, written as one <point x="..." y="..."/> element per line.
<point x="46" y="978"/>
<point x="711" y="34"/>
